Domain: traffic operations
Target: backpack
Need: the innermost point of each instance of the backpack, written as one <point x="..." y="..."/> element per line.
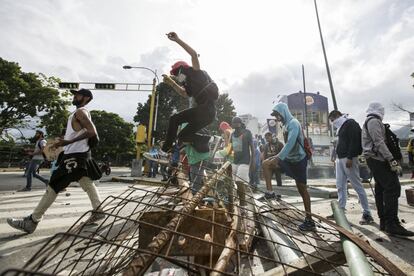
<point x="391" y="140"/>
<point x="306" y="146"/>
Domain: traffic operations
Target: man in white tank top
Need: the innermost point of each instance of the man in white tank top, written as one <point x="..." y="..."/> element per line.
<point x="76" y="165"/>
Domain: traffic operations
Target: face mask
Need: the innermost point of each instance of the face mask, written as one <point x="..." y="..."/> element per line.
<point x="339" y="122"/>
<point x="181" y="78"/>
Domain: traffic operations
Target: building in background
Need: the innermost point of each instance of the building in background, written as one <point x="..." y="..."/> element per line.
<point x="318" y="127"/>
<point x="252" y="123"/>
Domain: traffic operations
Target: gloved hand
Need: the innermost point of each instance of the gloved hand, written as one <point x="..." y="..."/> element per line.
<point x="395" y="167"/>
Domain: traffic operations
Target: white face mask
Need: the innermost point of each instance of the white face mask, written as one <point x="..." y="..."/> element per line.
<point x="181" y="77"/>
<point x="339" y="121"/>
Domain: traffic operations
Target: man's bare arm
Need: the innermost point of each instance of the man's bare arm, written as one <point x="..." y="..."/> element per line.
<point x="194" y="56"/>
<point x="86" y="123"/>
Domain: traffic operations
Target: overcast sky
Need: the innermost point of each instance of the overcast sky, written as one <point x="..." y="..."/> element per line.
<point x="252" y="49"/>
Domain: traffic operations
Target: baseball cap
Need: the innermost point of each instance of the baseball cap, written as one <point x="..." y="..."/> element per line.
<point x="84" y="92"/>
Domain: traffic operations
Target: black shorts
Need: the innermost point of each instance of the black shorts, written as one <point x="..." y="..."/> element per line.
<point x="295" y="170"/>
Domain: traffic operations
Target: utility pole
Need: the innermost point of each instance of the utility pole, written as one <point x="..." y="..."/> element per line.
<point x="326" y="60"/>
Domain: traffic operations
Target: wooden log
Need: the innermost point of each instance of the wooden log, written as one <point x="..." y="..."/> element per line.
<point x="142" y="261"/>
<point x="229" y="250"/>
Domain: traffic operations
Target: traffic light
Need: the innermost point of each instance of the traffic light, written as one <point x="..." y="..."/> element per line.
<point x="104" y="86"/>
<point x="68" y="85"/>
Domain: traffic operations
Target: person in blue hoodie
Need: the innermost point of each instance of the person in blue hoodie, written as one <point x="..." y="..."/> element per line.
<point x="292" y="158"/>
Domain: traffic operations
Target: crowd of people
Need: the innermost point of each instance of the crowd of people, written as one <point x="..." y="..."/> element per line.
<point x="250" y="156"/>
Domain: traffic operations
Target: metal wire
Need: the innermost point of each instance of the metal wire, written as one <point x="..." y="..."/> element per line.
<point x="169" y="227"/>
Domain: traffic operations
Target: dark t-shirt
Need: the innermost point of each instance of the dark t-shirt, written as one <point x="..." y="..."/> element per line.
<point x="272" y="148"/>
<point x="240" y="146"/>
<point x="200" y="86"/>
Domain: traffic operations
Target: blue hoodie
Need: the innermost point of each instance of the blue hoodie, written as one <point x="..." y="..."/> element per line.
<point x="292" y="151"/>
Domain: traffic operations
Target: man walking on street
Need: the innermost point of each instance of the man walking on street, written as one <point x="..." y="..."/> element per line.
<point x="76" y="164"/>
<point x="37" y="160"/>
<point x="292" y="159"/>
<point x="385" y="169"/>
<point x="272" y="147"/>
<point x="347" y="168"/>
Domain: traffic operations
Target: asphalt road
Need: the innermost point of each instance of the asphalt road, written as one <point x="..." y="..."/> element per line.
<point x="13" y="180"/>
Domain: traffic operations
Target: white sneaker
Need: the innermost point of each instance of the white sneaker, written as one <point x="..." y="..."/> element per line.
<point x="161" y="157"/>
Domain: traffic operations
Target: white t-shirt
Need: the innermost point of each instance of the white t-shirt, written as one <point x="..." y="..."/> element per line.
<point x="37" y="153"/>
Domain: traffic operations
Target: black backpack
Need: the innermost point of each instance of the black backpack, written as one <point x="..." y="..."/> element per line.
<point x="391" y="140"/>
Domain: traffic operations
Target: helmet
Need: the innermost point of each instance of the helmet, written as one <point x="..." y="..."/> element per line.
<point x="176" y="66"/>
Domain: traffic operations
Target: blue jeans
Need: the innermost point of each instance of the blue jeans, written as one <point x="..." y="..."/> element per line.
<point x="196" y="176"/>
<point x="254" y="177"/>
<point x="342" y="174"/>
<point x="31" y="172"/>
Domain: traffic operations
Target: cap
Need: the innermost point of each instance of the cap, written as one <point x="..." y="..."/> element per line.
<point x="176" y="66"/>
<point x="236" y="120"/>
<point x="84" y="92"/>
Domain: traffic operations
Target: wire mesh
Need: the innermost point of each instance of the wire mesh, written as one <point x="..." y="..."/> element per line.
<point x="224" y="228"/>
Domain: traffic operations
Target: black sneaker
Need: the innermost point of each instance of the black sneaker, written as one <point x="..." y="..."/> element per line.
<point x="307" y="225"/>
<point x="25" y="189"/>
<point x="269" y="195"/>
<point x="25" y="224"/>
<point x="366" y="219"/>
<point x="398" y="230"/>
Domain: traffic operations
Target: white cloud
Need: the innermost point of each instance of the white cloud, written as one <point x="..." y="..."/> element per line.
<point x="254" y="50"/>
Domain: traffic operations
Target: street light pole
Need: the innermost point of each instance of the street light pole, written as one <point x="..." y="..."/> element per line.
<point x="152" y="124"/>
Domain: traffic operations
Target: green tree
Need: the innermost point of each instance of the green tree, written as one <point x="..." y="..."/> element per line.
<point x="24" y="96"/>
<point x="169" y="102"/>
<point x="225" y="112"/>
<point x="116" y="135"/>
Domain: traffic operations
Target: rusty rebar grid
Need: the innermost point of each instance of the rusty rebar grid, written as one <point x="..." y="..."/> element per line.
<point x="114" y="245"/>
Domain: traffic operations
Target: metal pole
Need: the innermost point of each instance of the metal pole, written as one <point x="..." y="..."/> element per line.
<point x="326" y="60"/>
<point x="151" y="118"/>
<point x="306" y="106"/>
<point x="358" y="263"/>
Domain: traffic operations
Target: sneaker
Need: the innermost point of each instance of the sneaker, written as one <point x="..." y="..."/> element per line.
<point x="96" y="216"/>
<point x="161" y="157"/>
<point x="278" y="197"/>
<point x="331" y="217"/>
<point x="366" y="219"/>
<point x="307" y="225"/>
<point x="269" y="195"/>
<point x="25" y="224"/>
<point x="25" y="189"/>
<point x="365" y="181"/>
<point x="398" y="230"/>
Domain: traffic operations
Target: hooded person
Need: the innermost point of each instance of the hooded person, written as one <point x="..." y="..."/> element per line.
<point x="194" y="83"/>
<point x="385" y="170"/>
<point x="292" y="158"/>
<point x="347" y="150"/>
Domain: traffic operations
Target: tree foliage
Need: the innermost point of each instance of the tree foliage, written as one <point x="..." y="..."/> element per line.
<point x="116" y="135"/>
<point x="24" y="96"/>
<point x="170" y="102"/>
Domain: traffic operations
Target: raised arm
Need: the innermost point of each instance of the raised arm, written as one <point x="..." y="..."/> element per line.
<point x="194" y="56"/>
